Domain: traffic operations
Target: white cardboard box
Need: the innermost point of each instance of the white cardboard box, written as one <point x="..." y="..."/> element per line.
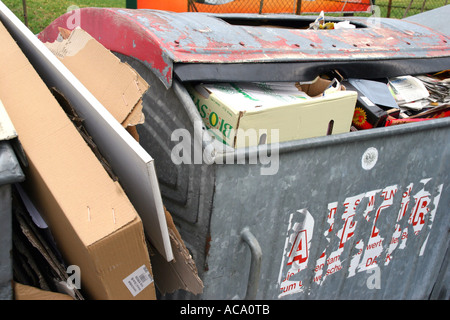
<point x="248" y="114"/>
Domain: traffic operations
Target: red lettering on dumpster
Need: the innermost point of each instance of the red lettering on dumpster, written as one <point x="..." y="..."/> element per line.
<point x="420" y="210"/>
<point x="299" y="251"/>
<point x="347" y="232"/>
<point x="367" y="253"/>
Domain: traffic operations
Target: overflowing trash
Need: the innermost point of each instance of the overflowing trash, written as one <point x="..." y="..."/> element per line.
<point x="254" y="147"/>
<point x="380" y="103"/>
<point x="420" y="98"/>
<point x="295" y="110"/>
<point x="320" y="24"/>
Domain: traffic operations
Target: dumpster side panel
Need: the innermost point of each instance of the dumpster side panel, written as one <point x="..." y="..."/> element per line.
<point x="370" y="207"/>
<point x="387" y="174"/>
<point x="6" y="240"/>
<point x="346" y="217"/>
<point x="10" y="172"/>
<point x="187" y="188"/>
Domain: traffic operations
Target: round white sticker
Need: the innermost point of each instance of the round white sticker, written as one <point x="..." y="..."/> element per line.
<point x="369" y="158"/>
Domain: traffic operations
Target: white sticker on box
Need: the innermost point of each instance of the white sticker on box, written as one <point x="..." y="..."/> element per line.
<point x="138" y="280"/>
<point x="368" y="101"/>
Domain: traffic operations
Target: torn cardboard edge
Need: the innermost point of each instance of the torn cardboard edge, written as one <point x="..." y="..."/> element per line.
<point x="115" y="84"/>
<point x="26" y="292"/>
<point x="180" y="273"/>
<point x="79" y="125"/>
<point x="136" y="183"/>
<point x="130" y="161"/>
<point x="35" y="234"/>
<point x="57" y="77"/>
<point x="64" y="184"/>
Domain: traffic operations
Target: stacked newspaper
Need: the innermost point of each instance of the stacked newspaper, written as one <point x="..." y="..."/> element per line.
<point x="421" y="92"/>
<point x="438" y="87"/>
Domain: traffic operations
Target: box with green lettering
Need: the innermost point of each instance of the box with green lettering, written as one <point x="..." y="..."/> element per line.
<point x="250" y="114"/>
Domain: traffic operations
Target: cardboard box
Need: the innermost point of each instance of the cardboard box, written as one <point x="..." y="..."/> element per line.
<point x="93" y="222"/>
<point x="25" y="292"/>
<point x="245" y="114"/>
<point x="115" y="84"/>
<point x="88" y="59"/>
<point x="131" y="163"/>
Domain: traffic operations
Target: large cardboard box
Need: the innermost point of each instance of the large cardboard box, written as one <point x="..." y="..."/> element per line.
<point x="120" y="88"/>
<point x="92" y="220"/>
<point x="248" y="114"/>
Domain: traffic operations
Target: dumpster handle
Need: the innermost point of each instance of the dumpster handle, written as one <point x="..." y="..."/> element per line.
<point x="255" y="265"/>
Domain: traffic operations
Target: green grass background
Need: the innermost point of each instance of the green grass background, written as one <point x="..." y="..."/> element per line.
<point x="42" y="12"/>
<point x="398" y="7"/>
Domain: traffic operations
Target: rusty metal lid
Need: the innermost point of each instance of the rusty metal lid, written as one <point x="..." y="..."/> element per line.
<point x="271" y="47"/>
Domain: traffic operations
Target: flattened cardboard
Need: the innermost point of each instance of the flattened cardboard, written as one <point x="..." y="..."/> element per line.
<point x="181" y="273"/>
<point x="139" y="171"/>
<point x="115" y="84"/>
<point x="129" y="160"/>
<point x="93" y="222"/>
<point x="295" y="115"/>
<point x="25" y="292"/>
<point x="82" y="55"/>
<point x="35" y="255"/>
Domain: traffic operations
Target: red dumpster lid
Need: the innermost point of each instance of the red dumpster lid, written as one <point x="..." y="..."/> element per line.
<point x="196" y="45"/>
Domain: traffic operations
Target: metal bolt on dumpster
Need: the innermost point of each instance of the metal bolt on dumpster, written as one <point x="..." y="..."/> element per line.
<point x="355" y="215"/>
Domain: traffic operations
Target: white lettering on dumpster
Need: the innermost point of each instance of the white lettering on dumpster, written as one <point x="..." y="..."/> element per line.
<point x="369" y="234"/>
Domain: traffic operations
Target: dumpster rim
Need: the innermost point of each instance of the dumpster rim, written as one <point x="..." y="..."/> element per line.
<point x="293" y="145"/>
<point x="305" y="70"/>
<point x="348" y="137"/>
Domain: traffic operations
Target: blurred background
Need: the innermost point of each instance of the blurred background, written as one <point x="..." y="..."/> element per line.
<point x="37" y="14"/>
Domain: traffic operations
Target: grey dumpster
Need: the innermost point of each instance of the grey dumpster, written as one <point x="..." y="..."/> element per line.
<point x="358" y="215"/>
<point x="388" y="185"/>
<point x="10" y="173"/>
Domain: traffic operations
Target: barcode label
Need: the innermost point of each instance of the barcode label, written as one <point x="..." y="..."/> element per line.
<point x="138" y="280"/>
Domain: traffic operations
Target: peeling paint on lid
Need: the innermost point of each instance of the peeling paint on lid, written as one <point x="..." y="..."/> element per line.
<point x="163" y="39"/>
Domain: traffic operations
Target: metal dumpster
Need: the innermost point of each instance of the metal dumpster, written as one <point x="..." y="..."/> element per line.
<point x="10" y="173"/>
<point x="359" y="215"/>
